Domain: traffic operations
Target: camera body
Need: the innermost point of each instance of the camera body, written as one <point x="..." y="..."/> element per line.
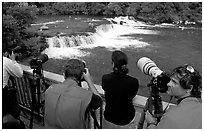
<point x="160" y="78"/>
<point x="36" y="63"/>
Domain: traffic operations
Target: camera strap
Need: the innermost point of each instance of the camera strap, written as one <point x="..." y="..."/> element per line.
<point x="179" y="100"/>
<point x="167" y="105"/>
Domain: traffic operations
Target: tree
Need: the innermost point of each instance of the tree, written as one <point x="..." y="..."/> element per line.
<point x="134" y="9"/>
<point x="16" y="18"/>
<point x="97" y="8"/>
<point x="113" y="9"/>
<point x="10" y="32"/>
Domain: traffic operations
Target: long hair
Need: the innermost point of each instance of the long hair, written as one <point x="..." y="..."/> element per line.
<point x="189" y="78"/>
<point x="120" y="61"/>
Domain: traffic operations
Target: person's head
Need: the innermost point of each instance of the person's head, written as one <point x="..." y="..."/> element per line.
<point x="6" y="51"/>
<point x="74" y="69"/>
<point x="119" y="61"/>
<point x="185" y="81"/>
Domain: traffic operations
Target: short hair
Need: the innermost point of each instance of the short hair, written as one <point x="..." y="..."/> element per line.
<point x="74" y="68"/>
<point x="120" y="61"/>
<point x="188" y="77"/>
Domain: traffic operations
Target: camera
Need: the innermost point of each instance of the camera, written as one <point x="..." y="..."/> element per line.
<point x="157" y="85"/>
<point x="36" y="63"/>
<point x="160" y="78"/>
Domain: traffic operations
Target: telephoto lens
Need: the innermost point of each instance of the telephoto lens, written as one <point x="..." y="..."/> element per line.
<point x="148" y="67"/>
<point x="43" y="58"/>
<point x="36" y="63"/>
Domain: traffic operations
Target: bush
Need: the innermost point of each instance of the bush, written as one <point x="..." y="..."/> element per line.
<point x="35" y="45"/>
<point x="16" y="18"/>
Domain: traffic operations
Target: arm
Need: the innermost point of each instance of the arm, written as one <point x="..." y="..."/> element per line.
<point x="103" y="82"/>
<point x="95" y="103"/>
<point x="135" y="89"/>
<point x="12" y="67"/>
<point x="150" y="120"/>
<point x="87" y="78"/>
<point x="165" y="122"/>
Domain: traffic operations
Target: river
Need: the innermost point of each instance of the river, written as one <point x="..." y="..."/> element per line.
<point x="167" y="45"/>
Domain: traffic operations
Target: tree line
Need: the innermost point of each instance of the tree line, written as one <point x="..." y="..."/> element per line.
<point x="159" y="12"/>
<point x="18" y="16"/>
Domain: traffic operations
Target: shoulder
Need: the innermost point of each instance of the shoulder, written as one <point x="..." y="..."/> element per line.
<point x="52" y="88"/>
<point x="133" y="79"/>
<point x="107" y="75"/>
<point x="6" y="60"/>
<point x="190" y="103"/>
<point x="187" y="108"/>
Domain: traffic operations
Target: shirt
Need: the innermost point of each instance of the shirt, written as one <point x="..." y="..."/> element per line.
<point x="186" y="115"/>
<point x="10" y="68"/>
<point x="119" y="92"/>
<point x="66" y="103"/>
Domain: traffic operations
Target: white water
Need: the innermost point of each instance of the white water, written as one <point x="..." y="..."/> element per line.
<point x="109" y="36"/>
<point x="46" y="23"/>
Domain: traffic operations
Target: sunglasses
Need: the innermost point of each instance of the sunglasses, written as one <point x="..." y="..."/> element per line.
<point x="190" y="69"/>
<point x="186" y="70"/>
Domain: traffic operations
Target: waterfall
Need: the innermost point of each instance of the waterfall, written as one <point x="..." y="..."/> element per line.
<point x="110" y="36"/>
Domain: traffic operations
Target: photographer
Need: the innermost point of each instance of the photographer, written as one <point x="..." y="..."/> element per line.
<point x="67" y="104"/>
<point x="120" y="89"/>
<point x="10" y="107"/>
<point x="10" y="66"/>
<point x="185" y="86"/>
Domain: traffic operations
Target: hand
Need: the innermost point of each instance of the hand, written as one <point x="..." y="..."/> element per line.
<point x="90" y="83"/>
<point x="10" y="120"/>
<point x="86" y="75"/>
<point x="149" y="118"/>
<point x="12" y="56"/>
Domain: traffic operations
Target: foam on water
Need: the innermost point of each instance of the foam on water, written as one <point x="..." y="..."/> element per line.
<point x="110" y="36"/>
<point x="46" y="23"/>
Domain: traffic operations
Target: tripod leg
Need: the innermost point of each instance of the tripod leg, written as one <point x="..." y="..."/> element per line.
<point x="38" y="98"/>
<point x="142" y="118"/>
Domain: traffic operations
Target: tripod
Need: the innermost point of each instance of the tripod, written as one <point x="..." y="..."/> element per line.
<point x="153" y="104"/>
<point x="37" y="75"/>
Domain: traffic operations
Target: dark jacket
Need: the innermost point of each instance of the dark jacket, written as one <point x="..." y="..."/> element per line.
<point x="119" y="92"/>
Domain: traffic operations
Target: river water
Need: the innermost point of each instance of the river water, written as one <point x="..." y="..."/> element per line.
<point x="167" y="44"/>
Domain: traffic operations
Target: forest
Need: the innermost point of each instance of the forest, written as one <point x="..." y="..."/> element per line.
<point x="18" y="16"/>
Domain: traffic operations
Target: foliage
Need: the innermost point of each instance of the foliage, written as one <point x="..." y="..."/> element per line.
<point x="134" y="9"/>
<point x="113" y="9"/>
<point x="157" y="12"/>
<point x="24" y="14"/>
<point x="96" y="8"/>
<point x="36" y="45"/>
<point x="10" y="31"/>
<point x="17" y="16"/>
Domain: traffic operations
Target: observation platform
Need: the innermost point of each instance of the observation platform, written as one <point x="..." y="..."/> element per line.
<point x="25" y="88"/>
